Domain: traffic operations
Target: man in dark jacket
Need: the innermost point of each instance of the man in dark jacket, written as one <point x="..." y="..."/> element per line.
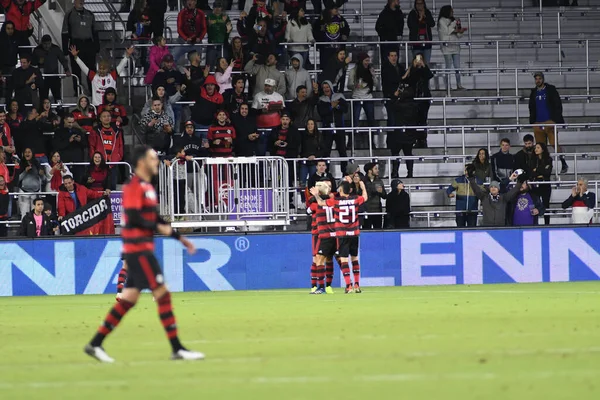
<point x="35" y="223"/>
<point x="28" y="82"/>
<point x="335" y="70"/>
<point x="376" y="192"/>
<point x="545" y="107"/>
<point x="285" y="142"/>
<point x="494" y="203"/>
<point x="233" y="98"/>
<point x="190" y="143"/>
<point x="524" y="157"/>
<point x="247" y="136"/>
<point x="46" y="57"/>
<point x="32" y="136"/>
<point x="170" y="78"/>
<point x="195" y="76"/>
<point x="322" y="174"/>
<point x="397" y="207"/>
<point x="420" y="21"/>
<point x="332" y="107"/>
<point x="303" y="107"/>
<point x="390" y="26"/>
<point x="72" y="145"/>
<point x="503" y="164"/>
<point x="391" y="77"/>
<point x="10" y="50"/>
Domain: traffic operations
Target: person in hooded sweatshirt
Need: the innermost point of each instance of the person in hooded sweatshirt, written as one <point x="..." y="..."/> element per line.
<point x="303" y="107"/>
<point x="296" y="76"/>
<point x="118" y="113"/>
<point x="84" y="114"/>
<point x="397" y="207"/>
<point x="203" y="112"/>
<point x="299" y="30"/>
<point x="267" y="71"/>
<point x="247" y="138"/>
<point x="192" y="145"/>
<point x="331" y="107"/>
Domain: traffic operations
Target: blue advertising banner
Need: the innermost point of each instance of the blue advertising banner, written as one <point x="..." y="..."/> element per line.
<point x="281" y="261"/>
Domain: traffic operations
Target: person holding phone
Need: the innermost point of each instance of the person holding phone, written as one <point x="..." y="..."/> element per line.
<point x="450" y="31"/>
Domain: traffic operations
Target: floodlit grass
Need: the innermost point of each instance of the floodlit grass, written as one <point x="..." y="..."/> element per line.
<point x="539" y="341"/>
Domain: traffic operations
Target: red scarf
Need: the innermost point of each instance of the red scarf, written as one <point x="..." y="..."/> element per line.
<point x="56" y="180"/>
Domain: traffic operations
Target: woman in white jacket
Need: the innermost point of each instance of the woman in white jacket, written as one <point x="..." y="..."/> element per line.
<point x="298" y="30"/>
<point x="450" y="31"/>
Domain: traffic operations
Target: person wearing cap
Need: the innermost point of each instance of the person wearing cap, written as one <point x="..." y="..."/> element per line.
<point x="296" y="76"/>
<point x="494" y="203"/>
<point x="46" y="57"/>
<point x="193" y="145"/>
<point x="169" y="77"/>
<point x="467" y="203"/>
<point x="268" y="105"/>
<point x="362" y="82"/>
<point x="376" y="191"/>
<point x="267" y="71"/>
<point x="545" y="107"/>
<point x="285" y="142"/>
<point x="118" y="112"/>
<point x="191" y="27"/>
<point x="397" y="207"/>
<point x="331" y="108"/>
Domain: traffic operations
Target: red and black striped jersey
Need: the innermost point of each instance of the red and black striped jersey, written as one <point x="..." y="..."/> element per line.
<point x="346" y="214"/>
<point x="312" y="209"/>
<point x="140" y="216"/>
<point x="325" y="220"/>
<point x="221" y="133"/>
<point x="86" y="121"/>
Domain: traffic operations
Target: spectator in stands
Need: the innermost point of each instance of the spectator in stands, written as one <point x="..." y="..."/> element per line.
<point x="203" y="112"/>
<point x="19" y="11"/>
<point x="180" y="173"/>
<point x="7" y="144"/>
<point x="333" y="29"/>
<point x="50" y="213"/>
<point x="167" y="101"/>
<point x="105" y="78"/>
<point x="223" y="74"/>
<point x="48" y="119"/>
<point x="397" y="207"/>
<point x="84" y="114"/>
<point x="296" y="76"/>
<point x="158" y="52"/>
<point x="259" y="11"/>
<point x="31" y="136"/>
<point x="285" y="142"/>
<point x="450" y="31"/>
<point x="10" y="47"/>
<point x="417" y="77"/>
<point x="28" y="82"/>
<point x="31" y="180"/>
<point x="467" y="203"/>
<point x="545" y="107"/>
<point x="503" y="163"/>
<point x="405" y="114"/>
<point x="391" y="77"/>
<point x="158" y="127"/>
<point x="46" y="57"/>
<point x="233" y="98"/>
<point x="195" y="76"/>
<point x="35" y="223"/>
<point x="311" y="145"/>
<point x="55" y="170"/>
<point x="118" y="112"/>
<point x="420" y="21"/>
<point x="298" y="30"/>
<point x="376" y="191"/>
<point x="320" y="175"/>
<point x="335" y="70"/>
<point x="221" y="136"/>
<point x="331" y="108"/>
<point x="107" y="139"/>
<point x="238" y="53"/>
<point x="524" y="157"/>
<point x="4" y="172"/>
<point x="390" y="26"/>
<point x="219" y="28"/>
<point x="527" y="207"/>
<point x="483" y="168"/>
<point x="193" y="145"/>
<point x="303" y="107"/>
<point x="14" y="117"/>
<point x="72" y="142"/>
<point x="79" y="31"/>
<point x="156" y="11"/>
<point x="268" y="70"/>
<point x="97" y="174"/>
<point x="362" y="82"/>
<point x="139" y="22"/>
<point x="168" y="76"/>
<point x="191" y="27"/>
<point x="542" y="171"/>
<point x="268" y="105"/>
<point x="247" y="136"/>
<point x="583" y="202"/>
<point x="259" y="42"/>
<point x="494" y="203"/>
<point x="5" y="203"/>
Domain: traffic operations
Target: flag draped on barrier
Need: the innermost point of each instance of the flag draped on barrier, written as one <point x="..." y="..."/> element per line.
<point x="85" y="217"/>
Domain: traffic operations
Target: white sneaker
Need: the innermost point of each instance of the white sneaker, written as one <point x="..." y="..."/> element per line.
<point x="187" y="355"/>
<point x="98" y="353"/>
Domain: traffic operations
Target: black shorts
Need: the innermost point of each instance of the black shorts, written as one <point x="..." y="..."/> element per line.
<point x="327" y="247"/>
<point x="143" y="271"/>
<point x="348" y="246"/>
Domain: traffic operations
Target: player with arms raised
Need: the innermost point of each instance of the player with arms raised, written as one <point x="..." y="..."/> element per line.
<point x="141" y="220"/>
<point x="347" y="228"/>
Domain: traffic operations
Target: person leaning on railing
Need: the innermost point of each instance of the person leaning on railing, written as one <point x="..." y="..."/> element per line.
<point x="583" y="202"/>
<point x="35" y="223"/>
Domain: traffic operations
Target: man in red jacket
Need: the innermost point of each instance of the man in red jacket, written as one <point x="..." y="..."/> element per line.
<point x="107" y="139"/>
<point x="191" y="27"/>
<point x="19" y="11"/>
<point x="72" y="196"/>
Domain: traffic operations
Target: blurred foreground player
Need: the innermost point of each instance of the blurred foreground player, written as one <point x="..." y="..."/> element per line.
<point x="140" y="222"/>
<point x="347" y="230"/>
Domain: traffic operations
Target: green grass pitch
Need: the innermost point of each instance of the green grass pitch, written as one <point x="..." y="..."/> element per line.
<point x="534" y="341"/>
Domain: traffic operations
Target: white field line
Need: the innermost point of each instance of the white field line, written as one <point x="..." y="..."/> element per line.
<point x="278" y="380"/>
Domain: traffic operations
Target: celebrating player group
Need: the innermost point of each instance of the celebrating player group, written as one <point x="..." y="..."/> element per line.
<point x="335" y="234"/>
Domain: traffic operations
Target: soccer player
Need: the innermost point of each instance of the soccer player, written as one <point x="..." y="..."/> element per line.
<point x="140" y="221"/>
<point x="326" y="246"/>
<point x="347" y="229"/>
<point x="313" y="210"/>
<point x="121" y="279"/>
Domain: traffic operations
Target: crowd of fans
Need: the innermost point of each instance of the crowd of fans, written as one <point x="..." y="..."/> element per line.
<point x="239" y="103"/>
